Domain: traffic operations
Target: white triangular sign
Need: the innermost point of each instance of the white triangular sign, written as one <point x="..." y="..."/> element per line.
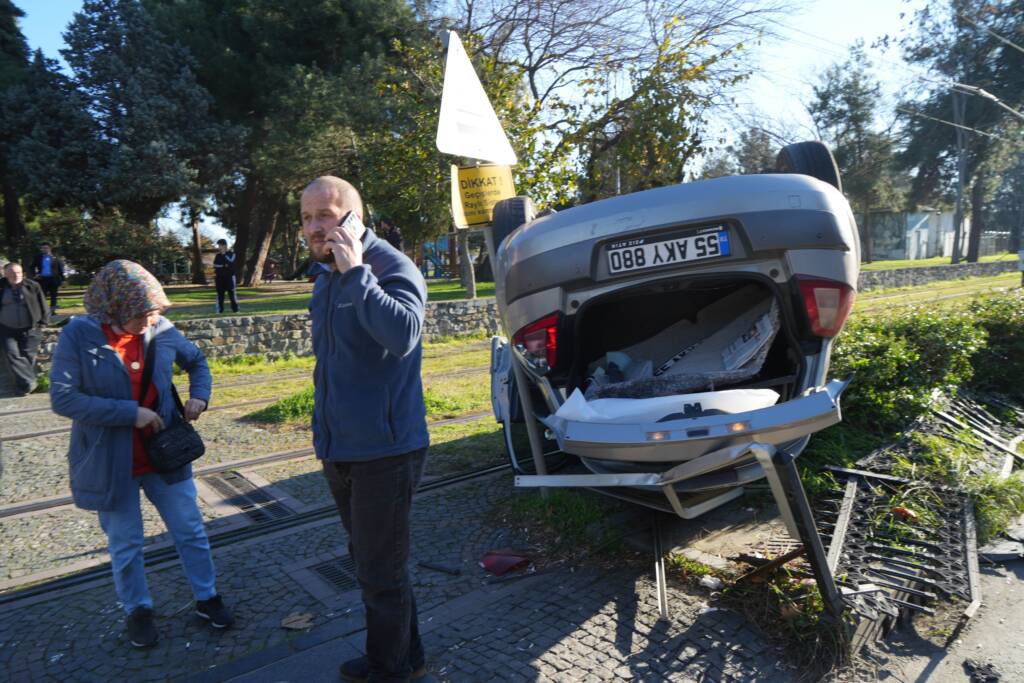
<point x="468" y="126"/>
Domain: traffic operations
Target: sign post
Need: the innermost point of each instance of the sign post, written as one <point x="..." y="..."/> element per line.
<point x="475" y="191"/>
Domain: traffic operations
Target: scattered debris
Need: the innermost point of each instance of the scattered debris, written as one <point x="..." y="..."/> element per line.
<point x="711" y="582"/>
<point x="982" y="673"/>
<point x="503" y="561"/>
<point x="905" y="513"/>
<point x="298" y="621"/>
<point x="454" y="571"/>
<point x="1002" y="550"/>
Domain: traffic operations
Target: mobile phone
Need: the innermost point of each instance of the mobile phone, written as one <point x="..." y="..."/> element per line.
<point x="351" y="223"/>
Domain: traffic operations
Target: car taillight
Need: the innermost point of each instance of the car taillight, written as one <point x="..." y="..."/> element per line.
<point x="538" y="342"/>
<point x="828" y="303"/>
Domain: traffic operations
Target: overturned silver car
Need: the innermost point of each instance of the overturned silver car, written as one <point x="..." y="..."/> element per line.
<point x="669" y="337"/>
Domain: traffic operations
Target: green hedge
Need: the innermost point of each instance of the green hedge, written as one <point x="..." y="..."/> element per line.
<point x="901" y="361"/>
<point x="999" y="366"/>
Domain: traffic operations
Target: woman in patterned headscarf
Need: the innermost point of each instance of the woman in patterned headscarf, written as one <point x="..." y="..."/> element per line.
<point x="96" y="380"/>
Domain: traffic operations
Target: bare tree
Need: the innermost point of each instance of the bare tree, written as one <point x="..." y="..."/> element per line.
<point x="561" y="44"/>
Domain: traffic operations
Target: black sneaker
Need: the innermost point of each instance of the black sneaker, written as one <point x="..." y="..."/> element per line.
<point x="214" y="611"/>
<point x="358" y="670"/>
<point x="141" y="628"/>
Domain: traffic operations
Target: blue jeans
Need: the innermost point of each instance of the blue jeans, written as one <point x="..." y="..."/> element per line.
<point x="177" y="506"/>
<point x="374" y="499"/>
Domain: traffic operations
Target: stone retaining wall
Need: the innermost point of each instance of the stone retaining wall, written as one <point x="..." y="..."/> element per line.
<point x="277" y="335"/>
<point x="908" y="277"/>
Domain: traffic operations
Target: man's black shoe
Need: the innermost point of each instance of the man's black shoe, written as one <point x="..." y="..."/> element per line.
<point x="358" y="670"/>
<point x="214" y="611"/>
<point x="141" y="627"/>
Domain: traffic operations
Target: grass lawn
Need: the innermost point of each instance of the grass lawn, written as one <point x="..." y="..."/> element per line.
<point x="936" y="261"/>
<point x="190" y="302"/>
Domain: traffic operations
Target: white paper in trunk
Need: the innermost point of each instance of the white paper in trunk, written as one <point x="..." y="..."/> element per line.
<point x="630" y="410"/>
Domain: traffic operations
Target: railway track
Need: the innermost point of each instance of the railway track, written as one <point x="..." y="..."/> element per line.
<point x="39" y="504"/>
<point x="101" y="572"/>
<point x="305" y="374"/>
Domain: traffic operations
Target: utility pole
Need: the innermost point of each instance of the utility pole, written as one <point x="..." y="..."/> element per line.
<point x="959" y="106"/>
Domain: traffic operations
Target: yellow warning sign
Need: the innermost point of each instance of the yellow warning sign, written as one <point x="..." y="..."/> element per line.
<point x="475" y="191"/>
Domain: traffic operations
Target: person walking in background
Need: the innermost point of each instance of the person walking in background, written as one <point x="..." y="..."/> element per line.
<point x="22" y="316"/>
<point x="224" y="275"/>
<point x="369" y="418"/>
<point x="391" y="233"/>
<point x="48" y="270"/>
<point x="96" y="380"/>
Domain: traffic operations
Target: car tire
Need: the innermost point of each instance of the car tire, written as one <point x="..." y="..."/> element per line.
<point x="509" y="214"/>
<point x="809" y="158"/>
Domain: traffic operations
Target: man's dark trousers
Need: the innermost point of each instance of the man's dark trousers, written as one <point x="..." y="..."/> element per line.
<point x="374" y="499"/>
<point x="226" y="286"/>
<point x="50" y="286"/>
<point x="21" y="347"/>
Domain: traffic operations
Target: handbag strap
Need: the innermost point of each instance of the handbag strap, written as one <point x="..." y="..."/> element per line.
<point x="147" y="378"/>
<point x="147" y="370"/>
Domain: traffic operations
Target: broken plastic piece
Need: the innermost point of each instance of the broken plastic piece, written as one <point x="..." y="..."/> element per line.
<point x="501" y="562"/>
<point x="298" y="621"/>
<point x="711" y="582"/>
<point x="905" y="513"/>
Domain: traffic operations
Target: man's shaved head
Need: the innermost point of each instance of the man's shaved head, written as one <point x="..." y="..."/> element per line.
<point x="341" y="191"/>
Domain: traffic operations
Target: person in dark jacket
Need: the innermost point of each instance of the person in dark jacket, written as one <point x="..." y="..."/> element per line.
<point x="369" y="418"/>
<point x="48" y="271"/>
<point x="96" y="380"/>
<point x="391" y="233"/>
<point x="22" y="316"/>
<point x="224" y="275"/>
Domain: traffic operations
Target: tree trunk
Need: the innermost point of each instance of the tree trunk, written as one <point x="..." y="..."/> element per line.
<point x="467" y="275"/>
<point x="261" y="245"/>
<point x="977" y="218"/>
<point x="198" y="272"/>
<point x="869" y="242"/>
<point x="294" y="246"/>
<point x="1017" y="231"/>
<point x="453" y="258"/>
<point x="12" y="216"/>
<point x="244" y="224"/>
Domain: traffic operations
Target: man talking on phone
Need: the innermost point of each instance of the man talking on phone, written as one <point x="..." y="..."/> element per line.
<point x="369" y="419"/>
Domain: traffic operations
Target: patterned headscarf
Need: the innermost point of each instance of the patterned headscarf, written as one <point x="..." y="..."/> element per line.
<point x="122" y="291"/>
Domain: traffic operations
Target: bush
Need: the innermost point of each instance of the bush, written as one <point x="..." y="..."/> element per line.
<point x="1000" y="365"/>
<point x="900" y="362"/>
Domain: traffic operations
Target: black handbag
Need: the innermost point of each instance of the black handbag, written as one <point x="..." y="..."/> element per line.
<point x="177" y="444"/>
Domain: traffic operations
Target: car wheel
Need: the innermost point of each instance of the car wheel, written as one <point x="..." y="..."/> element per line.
<point x="509" y="214"/>
<point x="809" y="158"/>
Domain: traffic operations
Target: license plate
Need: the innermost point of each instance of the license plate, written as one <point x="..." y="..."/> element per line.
<point x="646" y="252"/>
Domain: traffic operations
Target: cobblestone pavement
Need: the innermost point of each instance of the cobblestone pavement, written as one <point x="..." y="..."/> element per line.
<point x="35" y="468"/>
<point x="579" y="624"/>
<point x="302" y="479"/>
<point x="78" y="637"/>
<point x="590" y="625"/>
<point x="48" y="540"/>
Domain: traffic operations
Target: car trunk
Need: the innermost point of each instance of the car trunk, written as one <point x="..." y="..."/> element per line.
<point x="762" y="400"/>
<point x="682" y="327"/>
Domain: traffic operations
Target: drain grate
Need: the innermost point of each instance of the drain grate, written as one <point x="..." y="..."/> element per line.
<point x="339" y="572"/>
<point x="253" y="501"/>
